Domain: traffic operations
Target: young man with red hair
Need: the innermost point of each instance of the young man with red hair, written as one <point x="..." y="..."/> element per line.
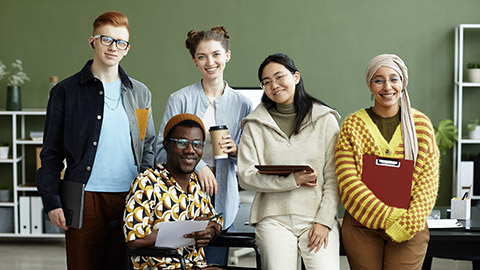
<point x="100" y="121"/>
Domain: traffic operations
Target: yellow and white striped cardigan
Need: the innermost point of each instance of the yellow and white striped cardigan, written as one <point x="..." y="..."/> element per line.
<point x="358" y="136"/>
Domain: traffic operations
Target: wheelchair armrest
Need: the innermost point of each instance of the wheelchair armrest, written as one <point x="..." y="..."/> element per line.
<point x="233" y="241"/>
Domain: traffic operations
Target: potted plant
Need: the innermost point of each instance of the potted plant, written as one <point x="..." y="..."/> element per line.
<point x="474" y="129"/>
<point x="473" y="72"/>
<point x="4" y="147"/>
<point x="445" y="134"/>
<point x="14" y="81"/>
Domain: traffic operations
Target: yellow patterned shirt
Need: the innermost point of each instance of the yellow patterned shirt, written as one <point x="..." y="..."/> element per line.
<point x="359" y="136"/>
<point x="156" y="197"/>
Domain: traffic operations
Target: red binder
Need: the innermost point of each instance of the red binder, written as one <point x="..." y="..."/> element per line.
<point x="389" y="179"/>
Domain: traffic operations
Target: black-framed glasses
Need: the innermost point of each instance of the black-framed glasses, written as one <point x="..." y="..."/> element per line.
<point x="279" y="78"/>
<point x="107" y="41"/>
<point x="183" y="144"/>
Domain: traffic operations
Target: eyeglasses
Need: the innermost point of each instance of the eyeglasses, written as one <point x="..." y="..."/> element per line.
<point x="280" y="78"/>
<point x="107" y="41"/>
<point x="381" y="82"/>
<point x="183" y="144"/>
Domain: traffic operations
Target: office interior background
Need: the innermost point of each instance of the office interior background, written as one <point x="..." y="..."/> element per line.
<point x="330" y="41"/>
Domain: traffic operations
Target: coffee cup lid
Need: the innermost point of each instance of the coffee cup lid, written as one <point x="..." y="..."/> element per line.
<point x="218" y="127"/>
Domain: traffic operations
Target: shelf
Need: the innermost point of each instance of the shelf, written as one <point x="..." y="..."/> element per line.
<point x="463" y="175"/>
<point x="27" y="187"/>
<point x="7" y="204"/>
<point x="43" y="235"/>
<point x="18" y="161"/>
<point x="10" y="160"/>
<point x="472" y="26"/>
<point x="469" y="141"/>
<point x="29" y="141"/>
<point x="24" y="112"/>
<point x="468" y="84"/>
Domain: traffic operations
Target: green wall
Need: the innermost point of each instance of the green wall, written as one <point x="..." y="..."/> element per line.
<point x="331" y="42"/>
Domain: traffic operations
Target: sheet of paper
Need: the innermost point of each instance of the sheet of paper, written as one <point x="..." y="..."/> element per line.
<point x="443" y="223"/>
<point x="170" y="234"/>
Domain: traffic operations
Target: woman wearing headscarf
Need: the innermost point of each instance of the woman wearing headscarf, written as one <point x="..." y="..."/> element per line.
<point x="388" y="237"/>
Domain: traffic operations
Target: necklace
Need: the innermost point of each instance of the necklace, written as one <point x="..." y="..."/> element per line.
<point x="211" y="102"/>
<point x="116" y="100"/>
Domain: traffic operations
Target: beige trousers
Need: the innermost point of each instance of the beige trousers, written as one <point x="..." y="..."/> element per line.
<point x="282" y="239"/>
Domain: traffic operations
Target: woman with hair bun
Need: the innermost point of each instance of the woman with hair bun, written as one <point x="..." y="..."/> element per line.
<point x="377" y="235"/>
<point x="216" y="103"/>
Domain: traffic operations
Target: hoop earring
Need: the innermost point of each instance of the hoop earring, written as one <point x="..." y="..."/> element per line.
<point x="371" y="97"/>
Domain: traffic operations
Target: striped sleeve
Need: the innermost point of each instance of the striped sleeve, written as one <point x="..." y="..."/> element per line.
<point x="355" y="140"/>
<point x="425" y="184"/>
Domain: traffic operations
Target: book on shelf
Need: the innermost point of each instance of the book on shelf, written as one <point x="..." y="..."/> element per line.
<point x="36" y="135"/>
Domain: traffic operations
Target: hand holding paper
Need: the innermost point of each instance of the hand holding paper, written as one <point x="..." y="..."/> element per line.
<point x="172" y="234"/>
<point x="202" y="238"/>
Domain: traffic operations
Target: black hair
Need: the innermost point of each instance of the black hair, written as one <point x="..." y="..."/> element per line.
<point x="302" y="100"/>
<point x="185" y="123"/>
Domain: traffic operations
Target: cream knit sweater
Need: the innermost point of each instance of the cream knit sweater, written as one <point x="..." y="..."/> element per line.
<point x="263" y="143"/>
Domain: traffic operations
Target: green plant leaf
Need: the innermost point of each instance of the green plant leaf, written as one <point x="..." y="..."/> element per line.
<point x="445" y="135"/>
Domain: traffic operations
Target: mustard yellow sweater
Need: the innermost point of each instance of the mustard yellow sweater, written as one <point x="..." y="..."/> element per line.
<point x="358" y="136"/>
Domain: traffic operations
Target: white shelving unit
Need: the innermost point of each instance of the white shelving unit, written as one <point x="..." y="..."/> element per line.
<point x="460" y="88"/>
<point x="17" y="160"/>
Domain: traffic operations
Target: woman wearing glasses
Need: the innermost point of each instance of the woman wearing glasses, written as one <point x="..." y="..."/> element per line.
<point x="295" y="213"/>
<point x="216" y="103"/>
<point x="384" y="236"/>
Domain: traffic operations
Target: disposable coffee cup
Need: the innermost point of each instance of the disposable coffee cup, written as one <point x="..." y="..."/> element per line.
<point x="216" y="133"/>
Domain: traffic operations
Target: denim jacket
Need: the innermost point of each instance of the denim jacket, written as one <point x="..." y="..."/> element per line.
<point x="72" y="129"/>
<point x="231" y="108"/>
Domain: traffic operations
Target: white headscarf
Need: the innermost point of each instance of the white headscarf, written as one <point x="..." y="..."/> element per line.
<point x="408" y="126"/>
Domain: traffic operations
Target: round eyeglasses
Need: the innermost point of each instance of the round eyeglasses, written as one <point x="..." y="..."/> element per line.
<point x="108" y="41"/>
<point x="183" y="144"/>
<point x="278" y="79"/>
<point x="380" y="82"/>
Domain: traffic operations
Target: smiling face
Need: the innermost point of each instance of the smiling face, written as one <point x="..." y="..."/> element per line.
<point x="211" y="58"/>
<point x="386" y="86"/>
<point x="109" y="56"/>
<point x="279" y="83"/>
<point x="181" y="162"/>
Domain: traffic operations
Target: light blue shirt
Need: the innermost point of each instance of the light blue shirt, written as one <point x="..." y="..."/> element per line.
<point x="231" y="108"/>
<point x="114" y="167"/>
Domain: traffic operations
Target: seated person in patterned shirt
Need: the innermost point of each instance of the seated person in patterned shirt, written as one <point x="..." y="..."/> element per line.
<point x="171" y="192"/>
